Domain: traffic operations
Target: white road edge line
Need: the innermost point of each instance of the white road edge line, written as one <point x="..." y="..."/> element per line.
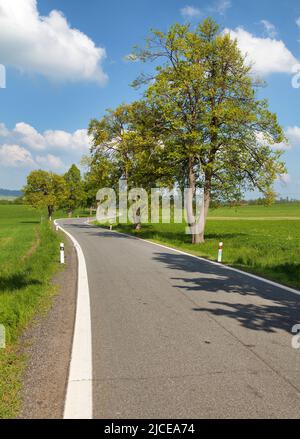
<point x="244" y="273"/>
<point x="79" y="396"/>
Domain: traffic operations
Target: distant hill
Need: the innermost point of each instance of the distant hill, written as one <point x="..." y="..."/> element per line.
<point x="8" y="193"/>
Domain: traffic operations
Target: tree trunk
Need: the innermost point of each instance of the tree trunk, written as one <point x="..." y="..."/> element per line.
<point x="189" y="201"/>
<point x="137" y="220"/>
<point x="50" y="212"/>
<point x="199" y="237"/>
<point x="197" y="230"/>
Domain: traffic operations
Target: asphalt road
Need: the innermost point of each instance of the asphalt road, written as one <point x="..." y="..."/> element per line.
<point x="175" y="337"/>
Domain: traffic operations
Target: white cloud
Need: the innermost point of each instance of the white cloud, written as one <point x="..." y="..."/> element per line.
<point x="24" y="146"/>
<point x="58" y="139"/>
<point x="268" y="55"/>
<point x="49" y="140"/>
<point x="47" y="45"/>
<point x="264" y="141"/>
<point x="298" y="21"/>
<point x="15" y="156"/>
<point x="285" y="179"/>
<point x="190" y="12"/>
<point x="282" y="145"/>
<point x="222" y="5"/>
<point x="219" y="7"/>
<point x="293" y="135"/>
<point x="269" y="28"/>
<point x="79" y="140"/>
<point x="293" y="138"/>
<point x="29" y="136"/>
<point x="50" y="162"/>
<point x="3" y="130"/>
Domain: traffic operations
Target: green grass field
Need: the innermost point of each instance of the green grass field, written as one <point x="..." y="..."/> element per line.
<point x="280" y="210"/>
<point x="261" y="240"/>
<point x="28" y="260"/>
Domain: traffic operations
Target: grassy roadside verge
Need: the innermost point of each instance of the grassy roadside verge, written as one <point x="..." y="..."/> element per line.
<point x="28" y="261"/>
<point x="253" y="240"/>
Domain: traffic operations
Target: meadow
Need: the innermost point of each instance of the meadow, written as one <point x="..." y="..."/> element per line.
<point x="28" y="260"/>
<point x="258" y="239"/>
<point x="274" y="211"/>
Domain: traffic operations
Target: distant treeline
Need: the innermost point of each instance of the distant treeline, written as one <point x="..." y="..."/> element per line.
<point x="254" y="202"/>
<point x="18" y="200"/>
<point x="261" y="201"/>
<point x="9" y="193"/>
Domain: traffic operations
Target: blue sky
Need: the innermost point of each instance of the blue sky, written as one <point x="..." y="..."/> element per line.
<point x="57" y="78"/>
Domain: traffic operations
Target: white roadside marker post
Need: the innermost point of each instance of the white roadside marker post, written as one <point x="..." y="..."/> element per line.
<point x="2" y="337"/>
<point x="62" y="253"/>
<point x="220" y="252"/>
<point x="56" y="228"/>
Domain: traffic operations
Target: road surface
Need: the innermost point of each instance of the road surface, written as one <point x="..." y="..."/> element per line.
<point x="177" y="337"/>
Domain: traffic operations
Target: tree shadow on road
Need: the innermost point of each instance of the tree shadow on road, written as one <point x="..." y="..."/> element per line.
<point x="276" y="309"/>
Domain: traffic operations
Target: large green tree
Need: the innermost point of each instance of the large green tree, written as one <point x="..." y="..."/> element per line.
<point x="100" y="172"/>
<point x="45" y="190"/>
<point x="111" y="141"/>
<point x="213" y="124"/>
<point x="129" y="139"/>
<point x="126" y="145"/>
<point x="74" y="189"/>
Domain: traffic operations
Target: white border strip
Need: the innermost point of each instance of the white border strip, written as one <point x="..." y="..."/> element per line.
<point x="79" y="397"/>
<point x="227" y="267"/>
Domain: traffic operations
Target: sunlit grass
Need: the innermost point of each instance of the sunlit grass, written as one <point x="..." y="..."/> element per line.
<point x="28" y="259"/>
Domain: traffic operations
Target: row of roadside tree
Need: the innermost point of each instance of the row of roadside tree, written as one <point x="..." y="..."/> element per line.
<point x="199" y="124"/>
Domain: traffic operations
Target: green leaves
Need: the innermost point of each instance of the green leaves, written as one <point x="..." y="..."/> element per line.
<point x="45" y="189"/>
<point x="74" y="189"/>
<point x="199" y="123"/>
<point x="205" y="95"/>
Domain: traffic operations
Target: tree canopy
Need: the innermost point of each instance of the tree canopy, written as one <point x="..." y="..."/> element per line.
<point x="74" y="190"/>
<point x="45" y="190"/>
<point x="213" y="123"/>
<point x="199" y="124"/>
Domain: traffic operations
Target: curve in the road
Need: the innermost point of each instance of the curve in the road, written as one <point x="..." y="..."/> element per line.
<point x="175" y="336"/>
